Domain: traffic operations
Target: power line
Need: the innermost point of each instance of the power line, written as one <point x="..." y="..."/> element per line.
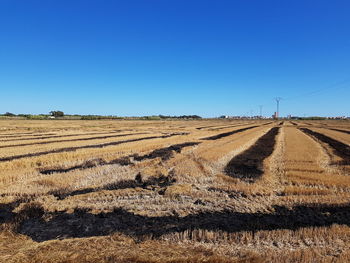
<point x="278" y="99"/>
<point x="260" y="107"/>
<point x="337" y="86"/>
<point x="333" y="87"/>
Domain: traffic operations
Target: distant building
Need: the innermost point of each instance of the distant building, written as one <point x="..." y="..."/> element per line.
<point x="338" y="118"/>
<point x="242" y="117"/>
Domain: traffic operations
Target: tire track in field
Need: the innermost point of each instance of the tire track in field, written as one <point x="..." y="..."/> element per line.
<point x="73" y="149"/>
<point x="340" y="149"/>
<point x="71" y="140"/>
<point x="164" y="153"/>
<point x="249" y="164"/>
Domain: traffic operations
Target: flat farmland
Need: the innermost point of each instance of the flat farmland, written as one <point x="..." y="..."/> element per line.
<point x="174" y="191"/>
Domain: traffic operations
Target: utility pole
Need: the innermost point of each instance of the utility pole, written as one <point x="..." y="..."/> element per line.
<point x="278" y="106"/>
<point x="260" y="106"/>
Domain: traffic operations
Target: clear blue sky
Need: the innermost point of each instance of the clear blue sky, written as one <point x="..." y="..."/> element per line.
<point x="144" y="57"/>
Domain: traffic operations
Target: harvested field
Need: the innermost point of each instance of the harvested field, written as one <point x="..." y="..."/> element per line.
<point x="53" y="135"/>
<point x="163" y="153"/>
<point x="72" y="149"/>
<point x="19" y="135"/>
<point x="344" y="131"/>
<point x="69" y="140"/>
<point x="174" y="191"/>
<point x="221" y="135"/>
<point x="339" y="148"/>
<point x="249" y="164"/>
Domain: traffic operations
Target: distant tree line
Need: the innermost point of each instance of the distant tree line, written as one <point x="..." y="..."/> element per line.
<point x="164" y="117"/>
<point x="313" y="118"/>
<point x="9" y="114"/>
<point x="99" y="117"/>
<point x="180" y="117"/>
<point x="57" y="114"/>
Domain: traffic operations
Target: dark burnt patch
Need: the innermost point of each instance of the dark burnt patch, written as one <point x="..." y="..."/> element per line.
<point x="6" y="214"/>
<point x="163" y="153"/>
<point x="339" y="130"/>
<point x="151" y="183"/>
<point x="54" y="135"/>
<point x="81" y="223"/>
<point x="71" y="140"/>
<point x="229" y="126"/>
<point x="216" y="127"/>
<point x="267" y="123"/>
<point x="340" y="149"/>
<point x="249" y="164"/>
<point x="225" y="134"/>
<point x="73" y="149"/>
<point x="204" y="127"/>
<point x="15" y="137"/>
<point x="87" y="164"/>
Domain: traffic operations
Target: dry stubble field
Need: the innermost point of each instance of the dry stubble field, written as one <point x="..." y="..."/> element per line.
<point x="174" y="191"/>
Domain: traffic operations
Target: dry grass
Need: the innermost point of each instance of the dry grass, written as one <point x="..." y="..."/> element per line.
<point x="182" y="208"/>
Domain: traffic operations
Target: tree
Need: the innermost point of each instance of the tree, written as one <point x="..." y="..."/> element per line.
<point x="9" y="114"/>
<point x="57" y="113"/>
